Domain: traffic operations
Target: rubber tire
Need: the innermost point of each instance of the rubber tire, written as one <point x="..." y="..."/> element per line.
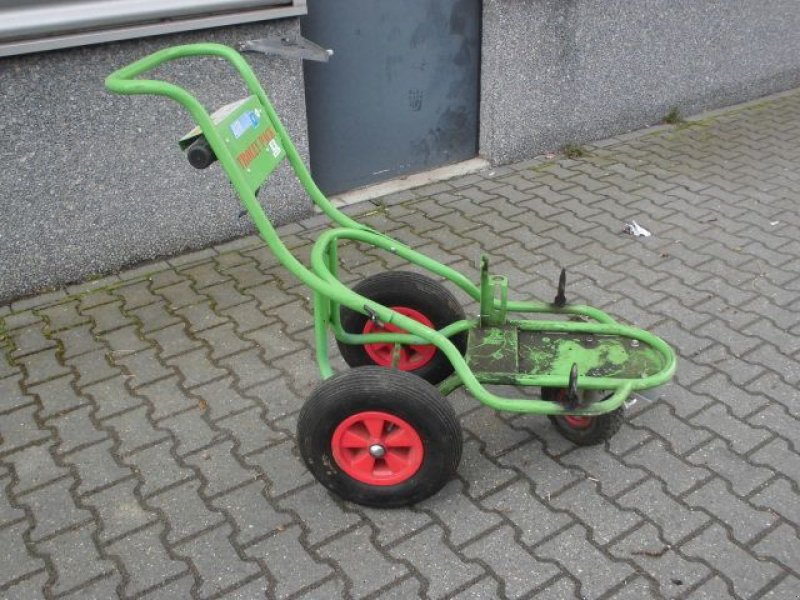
<point x="603" y="426"/>
<point x="416" y="401"/>
<point x="412" y="290"/>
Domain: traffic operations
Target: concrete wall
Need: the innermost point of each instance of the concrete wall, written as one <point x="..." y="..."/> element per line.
<point x="91" y="182"/>
<point x="559" y="71"/>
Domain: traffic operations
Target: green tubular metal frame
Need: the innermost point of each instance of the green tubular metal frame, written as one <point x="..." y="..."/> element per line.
<point x="329" y="293"/>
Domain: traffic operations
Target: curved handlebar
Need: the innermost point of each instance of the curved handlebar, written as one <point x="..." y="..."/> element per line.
<point x="122" y="81"/>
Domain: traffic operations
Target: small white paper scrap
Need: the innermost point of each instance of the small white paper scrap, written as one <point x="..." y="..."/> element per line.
<point x="633" y="228"/>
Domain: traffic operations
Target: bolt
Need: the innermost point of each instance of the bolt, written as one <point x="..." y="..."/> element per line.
<point x="377" y="451"/>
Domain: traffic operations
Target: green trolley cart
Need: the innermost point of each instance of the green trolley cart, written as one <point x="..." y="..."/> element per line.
<point x="382" y="433"/>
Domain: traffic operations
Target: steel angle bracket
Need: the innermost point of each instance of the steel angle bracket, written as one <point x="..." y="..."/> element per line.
<point x="295" y="47"/>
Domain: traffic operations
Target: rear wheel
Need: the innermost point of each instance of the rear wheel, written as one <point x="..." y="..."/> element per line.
<point x="379" y="437"/>
<point x="584" y="430"/>
<point x="415" y="296"/>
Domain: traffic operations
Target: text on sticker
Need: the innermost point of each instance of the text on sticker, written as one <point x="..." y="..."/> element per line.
<point x="264" y="140"/>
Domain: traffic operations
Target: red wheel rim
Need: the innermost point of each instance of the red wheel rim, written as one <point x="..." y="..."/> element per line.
<point x="377" y="448"/>
<point x="411" y="357"/>
<point x="578" y="422"/>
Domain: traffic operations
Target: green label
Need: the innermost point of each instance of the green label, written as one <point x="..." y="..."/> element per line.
<point x="251" y="138"/>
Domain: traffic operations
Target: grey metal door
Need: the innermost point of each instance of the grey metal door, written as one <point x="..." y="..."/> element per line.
<point x="400" y="93"/>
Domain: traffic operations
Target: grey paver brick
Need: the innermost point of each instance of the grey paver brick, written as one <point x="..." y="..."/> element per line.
<point x="146" y="561"/>
<point x="605" y="520"/>
<point x="12" y="394"/>
<point x="223" y="340"/>
<point x="249" y="368"/>
<point x="479" y="473"/>
<point x="190" y="430"/>
<point x="677" y="433"/>
<point x="220" y="468"/>
<point x="740" y="401"/>
<point x="35" y="466"/>
<point x="282" y="467"/>
<point x="321" y="516"/>
<point x="41" y="366"/>
<point x="195" y="367"/>
<point x="53" y="509"/>
<point x="250" y="430"/>
<point x="743" y="476"/>
<point x="221" y="398"/>
<point x="561" y="588"/>
<point x="603" y="468"/>
<point x="745" y="521"/>
<point x="217" y="561"/>
<point x="441" y="567"/>
<point x="779" y="456"/>
<point x="119" y="510"/>
<point x="185" y="511"/>
<point x="392" y="525"/>
<point x="136" y="294"/>
<point x="780" y="497"/>
<point x="779" y="391"/>
<point x="16" y="560"/>
<point x="106" y="317"/>
<point x="200" y="316"/>
<point x="462" y="519"/>
<point x="550" y="476"/>
<point x="75" y="559"/>
<point x="30" y="339"/>
<point x="675" y="520"/>
<point x="519" y="571"/>
<point x="75" y="429"/>
<point x="96" y="466"/>
<point x="534" y="519"/>
<point x="372" y="571"/>
<point x="486" y="587"/>
<point x="253" y="516"/>
<point x="494" y="431"/>
<point x="92" y="367"/>
<point x="122" y="341"/>
<point x="673" y="573"/>
<point x="111" y="397"/>
<point x="175" y="587"/>
<point x="741" y="436"/>
<point x="173" y="340"/>
<point x="785" y="590"/>
<point x="783" y="545"/>
<point x="18" y="429"/>
<point x="154" y="317"/>
<point x="142" y="367"/>
<point x="157" y="468"/>
<point x="289" y="563"/>
<point x="678" y="475"/>
<point x="594" y="570"/>
<point x="133" y="430"/>
<point x="747" y="574"/>
<point x="105" y="587"/>
<point x="167" y="398"/>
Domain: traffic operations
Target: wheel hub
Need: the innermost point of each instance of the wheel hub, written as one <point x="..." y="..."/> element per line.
<point x="410" y="358"/>
<point x="377" y="451"/>
<point x="377" y="448"/>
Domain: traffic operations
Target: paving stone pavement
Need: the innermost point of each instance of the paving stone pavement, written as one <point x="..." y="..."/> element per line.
<point x="147" y="419"/>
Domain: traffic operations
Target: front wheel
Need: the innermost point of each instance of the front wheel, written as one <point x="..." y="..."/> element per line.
<point x="379" y="437"/>
<point x="584" y="430"/>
